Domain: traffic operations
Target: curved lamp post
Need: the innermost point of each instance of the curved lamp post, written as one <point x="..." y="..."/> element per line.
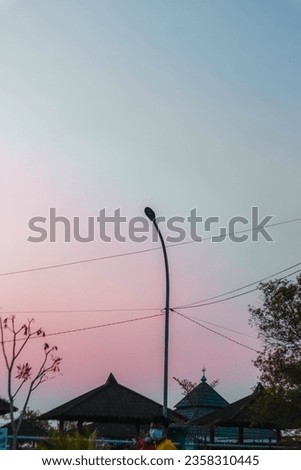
<point x="152" y="217"/>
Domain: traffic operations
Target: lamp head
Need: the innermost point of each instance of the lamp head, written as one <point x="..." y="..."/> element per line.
<point x="150" y="213"/>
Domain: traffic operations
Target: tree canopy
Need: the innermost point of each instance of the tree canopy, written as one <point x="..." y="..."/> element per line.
<point x="278" y="321"/>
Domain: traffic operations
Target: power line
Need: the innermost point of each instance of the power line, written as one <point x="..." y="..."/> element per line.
<point x="73" y="263"/>
<point x="88" y="310"/>
<point x="106" y="310"/>
<point x="222" y="327"/>
<point x="243" y="287"/>
<point x="130" y="253"/>
<point x="201" y="304"/>
<point x="122" y="322"/>
<point x="213" y="331"/>
<point x="76" y="330"/>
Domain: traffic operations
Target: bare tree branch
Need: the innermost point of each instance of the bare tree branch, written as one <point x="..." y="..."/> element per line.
<point x="23" y="372"/>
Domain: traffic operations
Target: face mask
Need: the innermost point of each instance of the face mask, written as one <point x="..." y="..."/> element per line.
<point x="157" y="434"/>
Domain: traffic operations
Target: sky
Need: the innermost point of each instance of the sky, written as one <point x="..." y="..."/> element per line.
<point x="177" y="105"/>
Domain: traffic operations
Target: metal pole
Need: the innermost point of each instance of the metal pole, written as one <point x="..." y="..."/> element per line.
<point x="152" y="216"/>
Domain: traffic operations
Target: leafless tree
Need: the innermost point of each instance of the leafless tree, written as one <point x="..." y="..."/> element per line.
<point x="14" y="340"/>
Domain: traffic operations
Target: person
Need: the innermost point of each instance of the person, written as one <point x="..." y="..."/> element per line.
<point x="158" y="433"/>
<point x="146" y="443"/>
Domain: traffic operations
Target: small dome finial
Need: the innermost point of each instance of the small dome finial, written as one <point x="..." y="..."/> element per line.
<point x="203" y="379"/>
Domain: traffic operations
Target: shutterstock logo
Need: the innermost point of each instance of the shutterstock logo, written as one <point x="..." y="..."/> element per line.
<point x="139" y="229"/>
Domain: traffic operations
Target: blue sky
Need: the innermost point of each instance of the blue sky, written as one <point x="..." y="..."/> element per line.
<point x="173" y="104"/>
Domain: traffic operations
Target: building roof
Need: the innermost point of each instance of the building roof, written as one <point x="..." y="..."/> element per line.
<point x="110" y="403"/>
<point x="27" y="428"/>
<point x="202" y="400"/>
<point x="5" y="407"/>
<point x="235" y="414"/>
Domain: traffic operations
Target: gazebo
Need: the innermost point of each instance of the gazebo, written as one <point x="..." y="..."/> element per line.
<point x="109" y="403"/>
<point x="238" y="415"/>
<point x="201" y="401"/>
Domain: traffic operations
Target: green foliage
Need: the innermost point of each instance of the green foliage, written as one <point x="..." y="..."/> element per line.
<point x="68" y="441"/>
<point x="278" y="321"/>
<point x="293" y="441"/>
<point x="33" y="417"/>
<point x="275" y="408"/>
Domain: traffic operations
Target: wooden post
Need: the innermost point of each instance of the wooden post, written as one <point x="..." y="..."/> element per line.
<point x="211" y="434"/>
<point x="240" y="439"/>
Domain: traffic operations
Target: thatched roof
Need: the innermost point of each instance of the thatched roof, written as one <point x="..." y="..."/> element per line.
<point x="109" y="403"/>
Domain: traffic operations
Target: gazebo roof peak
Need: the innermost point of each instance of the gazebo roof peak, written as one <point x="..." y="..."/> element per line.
<point x="204" y="378"/>
<point x="259" y="388"/>
<point x="111" y="402"/>
<point x="111" y="380"/>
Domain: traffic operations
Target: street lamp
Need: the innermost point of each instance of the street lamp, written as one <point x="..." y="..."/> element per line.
<point x="152" y="217"/>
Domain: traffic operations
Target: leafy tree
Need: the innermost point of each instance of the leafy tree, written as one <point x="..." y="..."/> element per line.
<point x="14" y="340"/>
<point x="278" y="321"/>
<point x="33" y="417"/>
